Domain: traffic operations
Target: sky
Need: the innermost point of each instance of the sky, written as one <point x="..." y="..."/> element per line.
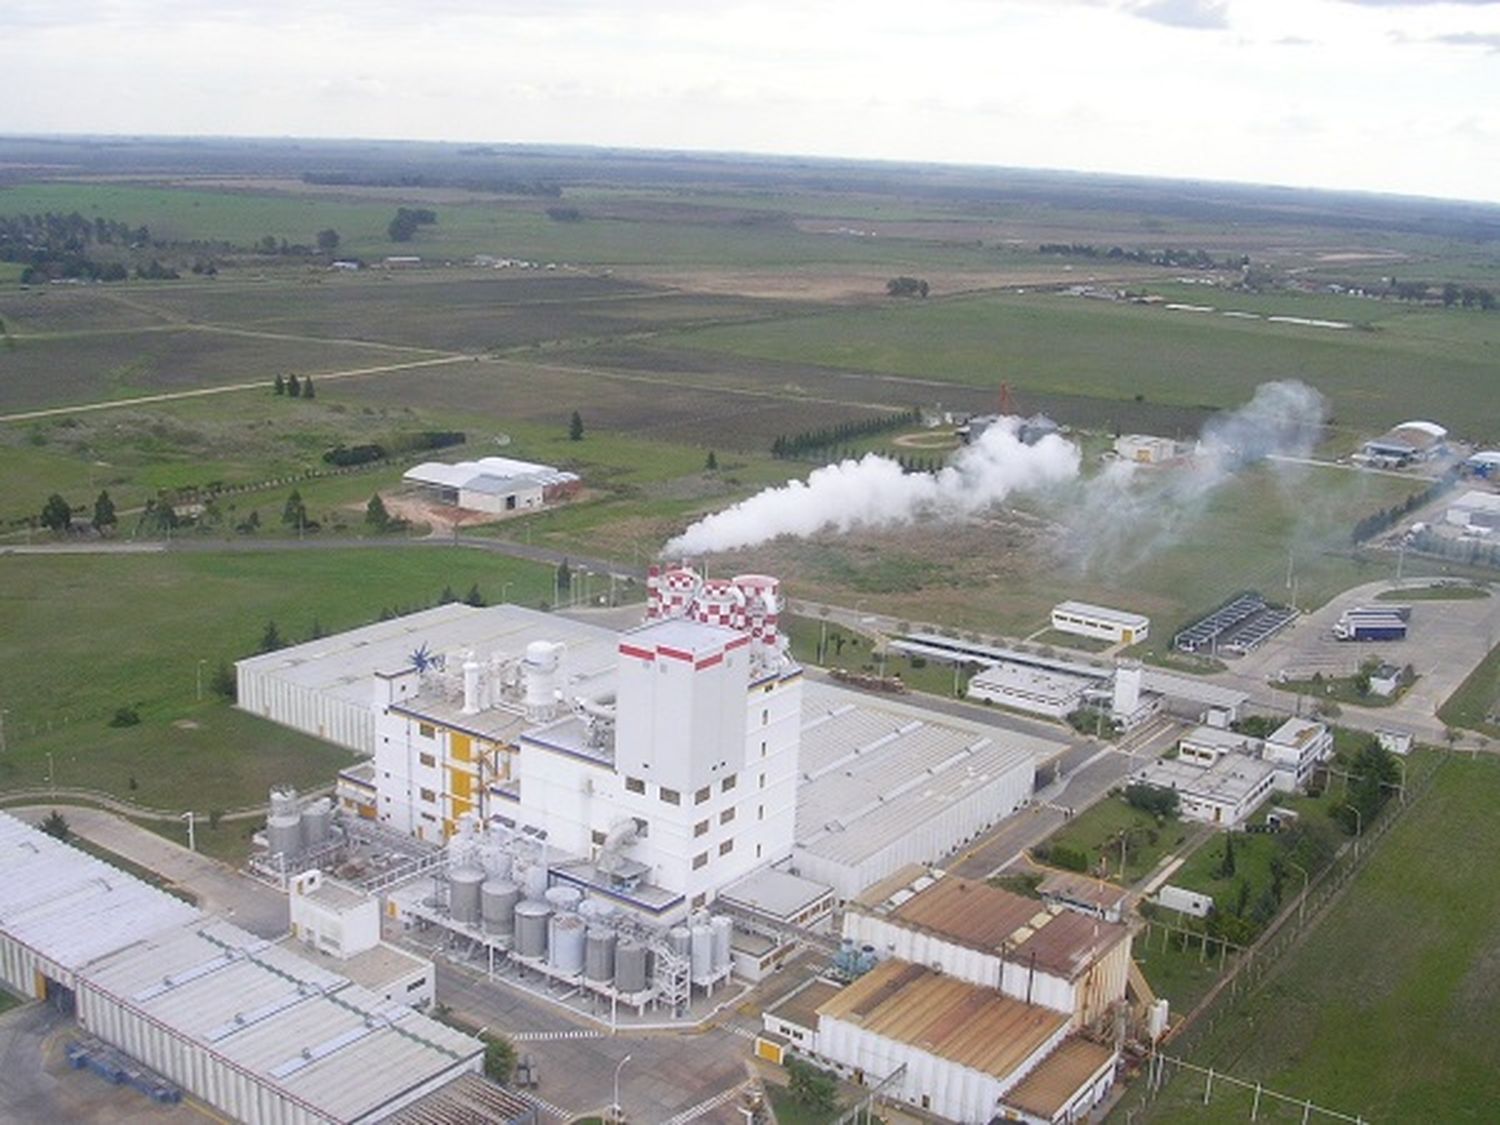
<point x="1382" y="95"/>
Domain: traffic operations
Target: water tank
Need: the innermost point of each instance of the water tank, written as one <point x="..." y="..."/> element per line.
<point x="679" y="940"/>
<point x="284" y="801"/>
<point x="284" y="833"/>
<point x="631" y="965"/>
<point x="531" y="928"/>
<point x="703" y="952"/>
<point x="541" y="675"/>
<point x="498" y="898"/>
<point x="534" y="880"/>
<point x="463" y="894"/>
<point x="564" y="899"/>
<point x="566" y="943"/>
<point x="317" y="822"/>
<point x="723" y="930"/>
<point x="599" y="954"/>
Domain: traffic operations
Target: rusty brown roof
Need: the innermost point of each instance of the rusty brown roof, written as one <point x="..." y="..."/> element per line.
<point x="978" y="1028"/>
<point x="979" y="916"/>
<point x="801" y="1008"/>
<point x="1058" y="1077"/>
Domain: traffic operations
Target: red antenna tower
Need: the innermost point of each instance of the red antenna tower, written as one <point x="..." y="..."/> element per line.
<point x="1007" y="401"/>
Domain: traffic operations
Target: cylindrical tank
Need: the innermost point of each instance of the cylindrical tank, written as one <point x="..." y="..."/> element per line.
<point x="534" y="880"/>
<point x="566" y="943"/>
<point x="564" y="899"/>
<point x="284" y="833"/>
<point x="703" y="952"/>
<point x="472" y="668"/>
<point x="540" y="668"/>
<point x="463" y="894"/>
<point x="723" y="930"/>
<point x="680" y="939"/>
<point x="498" y="898"/>
<point x="284" y="801"/>
<point x="317" y="821"/>
<point x="599" y="954"/>
<point x="630" y="965"/>
<point x="531" y="928"/>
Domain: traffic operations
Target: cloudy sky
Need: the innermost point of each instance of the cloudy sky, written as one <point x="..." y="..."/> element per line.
<point x="1385" y="95"/>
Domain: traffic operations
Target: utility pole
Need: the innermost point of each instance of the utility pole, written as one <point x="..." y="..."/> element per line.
<point x="192" y="842"/>
<point x="3" y="712"/>
<point x="200" y="680"/>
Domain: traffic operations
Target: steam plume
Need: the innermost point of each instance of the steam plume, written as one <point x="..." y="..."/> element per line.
<point x="873" y="493"/>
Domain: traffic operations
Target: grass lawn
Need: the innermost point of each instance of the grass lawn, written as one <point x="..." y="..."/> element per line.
<point x="83" y="636"/>
<point x="1389" y="1008"/>
<point x="1058" y="639"/>
<point x="1443" y="592"/>
<point x="1473" y="705"/>
<point x="1096" y="833"/>
<point x="790" y="1111"/>
<point x="1182" y="975"/>
<point x="1339" y="689"/>
<point x="9" y="1000"/>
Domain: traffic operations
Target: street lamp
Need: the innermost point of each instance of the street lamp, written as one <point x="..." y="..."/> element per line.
<point x="51" y="774"/>
<point x="201" y="663"/>
<point x="614" y="1106"/>
<point x="192" y="842"/>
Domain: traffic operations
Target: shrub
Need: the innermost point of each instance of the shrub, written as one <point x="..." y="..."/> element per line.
<point x="126" y="716"/>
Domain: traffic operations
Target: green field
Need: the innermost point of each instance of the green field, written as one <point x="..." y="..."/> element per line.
<point x="84" y="636"/>
<point x="1097" y="831"/>
<point x="1388" y="1008"/>
<point x="1443" y="592"/>
<point x="1475" y="704"/>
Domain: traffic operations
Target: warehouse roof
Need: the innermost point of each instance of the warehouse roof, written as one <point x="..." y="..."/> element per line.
<point x="471" y="1100"/>
<point x="1057" y="1078"/>
<point x="70" y="907"/>
<point x="307" y="1032"/>
<point x="975" y="1027"/>
<point x="873" y="769"/>
<point x="1103" y="613"/>
<point x="979" y="916"/>
<point x="801" y="1007"/>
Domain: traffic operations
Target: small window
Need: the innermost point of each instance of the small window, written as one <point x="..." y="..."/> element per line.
<point x="642" y="829"/>
<point x="597" y="837"/>
<point x="700" y="901"/>
<point x="635" y="785"/>
<point x="429" y="796"/>
<point x="762" y="781"/>
<point x="702" y="794"/>
<point x="727" y="815"/>
<point x="730" y="782"/>
<point x="726" y="847"/>
<point x="416" y="984"/>
<point x="700" y="860"/>
<point x="761" y="813"/>
<point x="701" y="828"/>
<point x="426" y="730"/>
<point x="427" y="760"/>
<point x="671" y="796"/>
<point x="757" y="851"/>
<point x="765" y="716"/>
<point x="762" y="749"/>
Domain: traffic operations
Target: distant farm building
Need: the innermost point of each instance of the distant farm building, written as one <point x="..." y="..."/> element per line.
<point x="1406" y="444"/>
<point x="1485" y="463"/>
<point x="1100" y="622"/>
<point x="496" y="485"/>
<point x="1477" y="513"/>
<point x="1143" y="449"/>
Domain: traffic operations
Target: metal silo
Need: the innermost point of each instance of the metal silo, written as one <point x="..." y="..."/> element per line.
<point x="599" y="954"/>
<point x="631" y="966"/>
<point x="463" y="894"/>
<point x="702" y="952"/>
<point x="566" y="943"/>
<point x="680" y="939"/>
<point x="284" y="823"/>
<point x="531" y="928"/>
<point x="564" y="899"/>
<point x="723" y="930"/>
<point x="497" y="899"/>
<point x="317" y="822"/>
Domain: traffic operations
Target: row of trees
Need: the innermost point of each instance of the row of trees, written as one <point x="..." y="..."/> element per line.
<point x="904" y="286"/>
<point x="292" y="387"/>
<point x="1450" y="293"/>
<point x="407" y="220"/>
<point x="1170" y="256"/>
<point x="57" y="513"/>
<point x="814" y="442"/>
<point x="1376" y="522"/>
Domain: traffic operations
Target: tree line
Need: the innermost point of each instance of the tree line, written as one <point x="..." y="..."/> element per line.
<point x="1170" y="256"/>
<point x="1376" y="522"/>
<point x="407" y="220"/>
<point x="809" y="443"/>
<point x="496" y="185"/>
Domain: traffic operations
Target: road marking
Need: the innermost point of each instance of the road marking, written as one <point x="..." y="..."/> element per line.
<point x="553" y="1036"/>
<point x="704" y="1108"/>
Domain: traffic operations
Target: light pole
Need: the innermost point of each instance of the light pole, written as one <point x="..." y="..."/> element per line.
<point x="201" y="663"/>
<point x="4" y="711"/>
<point x="51" y="774"/>
<point x="192" y="842"/>
<point x="614" y="1106"/>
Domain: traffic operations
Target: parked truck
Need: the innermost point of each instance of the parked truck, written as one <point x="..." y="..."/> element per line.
<point x="1370" y="625"/>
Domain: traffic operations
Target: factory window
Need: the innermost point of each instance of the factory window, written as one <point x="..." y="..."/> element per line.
<point x="701" y="828"/>
<point x="700" y="860"/>
<point x="762" y="749"/>
<point x="761" y="813"/>
<point x="730" y="782"/>
<point x="765" y="716"/>
<point x="426" y="730"/>
<point x="702" y="795"/>
<point x="726" y="847"/>
<point x="762" y="781"/>
<point x="416" y="984"/>
<point x="428" y="796"/>
<point x="429" y="817"/>
<point x="635" y="785"/>
<point x="427" y="760"/>
<point x="597" y="837"/>
<point x="642" y="829"/>
<point x="671" y="796"/>
<point x="700" y="901"/>
<point x="727" y="815"/>
<point x="757" y="851"/>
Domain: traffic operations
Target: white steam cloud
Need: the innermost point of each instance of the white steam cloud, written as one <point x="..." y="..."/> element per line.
<point x="873" y="493"/>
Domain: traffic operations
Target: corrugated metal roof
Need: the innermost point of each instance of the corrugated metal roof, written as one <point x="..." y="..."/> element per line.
<point x="975" y="1027"/>
<point x="71" y="907"/>
<point x="299" y="1028"/>
<point x="1058" y="1078"/>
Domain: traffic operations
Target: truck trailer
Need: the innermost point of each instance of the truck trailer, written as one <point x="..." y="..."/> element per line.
<point x="1367" y="626"/>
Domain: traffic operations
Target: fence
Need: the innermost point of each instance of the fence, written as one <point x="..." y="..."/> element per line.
<point x="1264" y="1103"/>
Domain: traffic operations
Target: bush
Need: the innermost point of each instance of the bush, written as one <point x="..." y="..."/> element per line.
<point x="1070" y="859"/>
<point x="1160" y="802"/>
<point x="125" y="717"/>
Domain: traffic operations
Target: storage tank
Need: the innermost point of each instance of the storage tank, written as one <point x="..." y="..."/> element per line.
<point x="463" y="894"/>
<point x="679" y="940"/>
<point x="566" y="940"/>
<point x="540" y="669"/>
<point x="564" y="899"/>
<point x="498" y="898"/>
<point x="284" y="830"/>
<point x="317" y="822"/>
<point x="599" y="954"/>
<point x="703" y="952"/>
<point x="631" y="965"/>
<point x="723" y="930"/>
<point x="284" y="801"/>
<point x="531" y="928"/>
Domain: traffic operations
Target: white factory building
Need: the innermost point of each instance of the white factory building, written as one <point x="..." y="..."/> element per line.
<point x="1477" y="513"/>
<point x="977" y="1004"/>
<point x="1116" y="626"/>
<point x="656" y="766"/>
<point x="254" y="1029"/>
<point x="494" y="485"/>
<point x="1144" y="449"/>
<point x="1223" y="794"/>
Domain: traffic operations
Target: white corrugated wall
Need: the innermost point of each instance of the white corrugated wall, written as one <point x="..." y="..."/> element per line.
<point x="313" y="712"/>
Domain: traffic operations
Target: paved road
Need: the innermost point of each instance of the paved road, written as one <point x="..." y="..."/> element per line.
<point x="220" y="889"/>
